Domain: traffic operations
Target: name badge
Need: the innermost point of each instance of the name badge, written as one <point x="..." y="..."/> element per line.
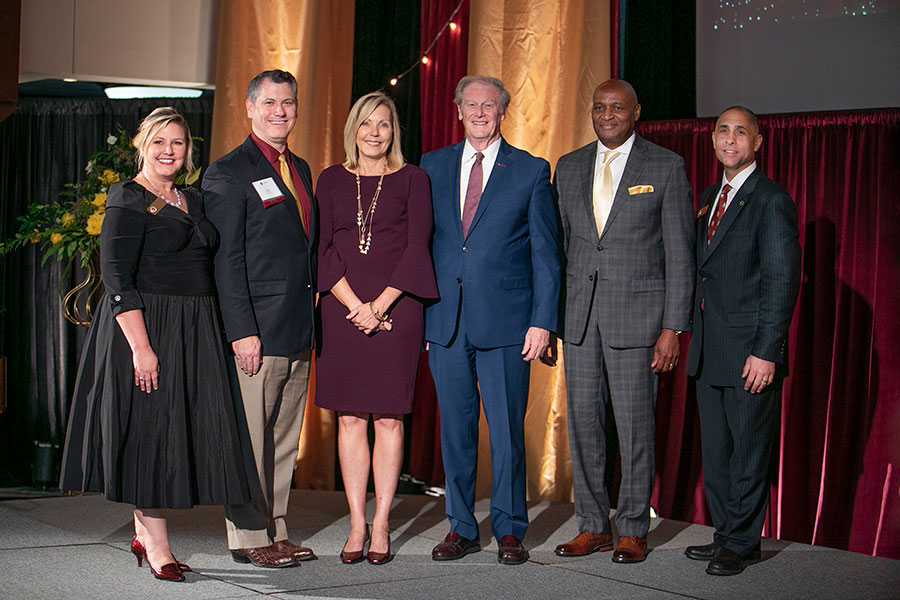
<point x="268" y="192"/>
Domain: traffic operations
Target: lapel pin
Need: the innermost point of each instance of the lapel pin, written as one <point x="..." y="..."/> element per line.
<point x="741" y="202"/>
<point x="499" y="164"/>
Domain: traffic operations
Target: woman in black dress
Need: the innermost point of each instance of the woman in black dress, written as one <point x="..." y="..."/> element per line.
<point x="375" y="269"/>
<point x="153" y="421"/>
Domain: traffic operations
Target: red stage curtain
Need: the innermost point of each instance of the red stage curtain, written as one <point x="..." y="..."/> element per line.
<point x="441" y="127"/>
<point x="836" y="480"/>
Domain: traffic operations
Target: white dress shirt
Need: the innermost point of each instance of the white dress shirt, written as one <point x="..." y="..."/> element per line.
<point x="617" y="166"/>
<point x="468" y="159"/>
<point x="735" y="184"/>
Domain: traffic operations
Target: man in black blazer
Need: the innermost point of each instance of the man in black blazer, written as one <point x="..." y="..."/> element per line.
<point x="748" y="278"/>
<point x="259" y="196"/>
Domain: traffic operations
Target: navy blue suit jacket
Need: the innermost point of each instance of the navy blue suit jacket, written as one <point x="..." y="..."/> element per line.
<point x="505" y="273"/>
<point x="748" y="280"/>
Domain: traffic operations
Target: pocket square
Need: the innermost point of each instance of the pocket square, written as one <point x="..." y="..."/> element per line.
<point x="703" y="211"/>
<point x="640" y="189"/>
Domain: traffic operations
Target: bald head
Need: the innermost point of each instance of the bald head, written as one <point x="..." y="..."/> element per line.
<point x="619" y="85"/>
<point x="614" y="112"/>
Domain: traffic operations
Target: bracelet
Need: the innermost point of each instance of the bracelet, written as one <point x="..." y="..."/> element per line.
<point x="380" y="317"/>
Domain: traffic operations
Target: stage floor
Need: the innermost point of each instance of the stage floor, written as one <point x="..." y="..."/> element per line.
<point x="78" y="547"/>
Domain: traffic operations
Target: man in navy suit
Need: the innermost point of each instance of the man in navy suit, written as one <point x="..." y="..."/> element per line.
<point x="748" y="278"/>
<point x="259" y="196"/>
<point x="497" y="267"/>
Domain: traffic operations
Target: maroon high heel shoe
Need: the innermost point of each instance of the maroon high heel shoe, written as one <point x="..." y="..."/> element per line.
<point x="351" y="558"/>
<point x="169" y="572"/>
<point x="380" y="558"/>
<point x="140" y="553"/>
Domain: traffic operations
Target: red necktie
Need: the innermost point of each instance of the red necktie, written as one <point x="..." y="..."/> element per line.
<point x="473" y="194"/>
<point x="716" y="217"/>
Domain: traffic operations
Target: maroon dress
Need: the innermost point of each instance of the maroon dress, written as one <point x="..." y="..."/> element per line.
<point x="377" y="373"/>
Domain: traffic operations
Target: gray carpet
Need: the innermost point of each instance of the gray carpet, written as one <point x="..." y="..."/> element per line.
<point x="77" y="547"/>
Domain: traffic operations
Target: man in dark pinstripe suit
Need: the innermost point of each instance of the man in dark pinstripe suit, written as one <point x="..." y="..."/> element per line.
<point x="625" y="206"/>
<point x="748" y="278"/>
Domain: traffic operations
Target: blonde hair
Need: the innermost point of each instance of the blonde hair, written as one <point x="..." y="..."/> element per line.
<point x="155" y="122"/>
<point x="361" y="110"/>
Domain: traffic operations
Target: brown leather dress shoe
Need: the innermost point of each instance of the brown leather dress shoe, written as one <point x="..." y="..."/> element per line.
<point x="300" y="553"/>
<point x="511" y="551"/>
<point x="455" y="546"/>
<point x="630" y="549"/>
<point x="268" y="557"/>
<point x="586" y="543"/>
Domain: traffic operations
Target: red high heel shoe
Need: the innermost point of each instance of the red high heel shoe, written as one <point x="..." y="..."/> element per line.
<point x="140" y="553"/>
<point x="169" y="572"/>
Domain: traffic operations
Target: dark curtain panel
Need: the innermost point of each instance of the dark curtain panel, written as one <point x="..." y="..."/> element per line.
<point x="441" y="127"/>
<point x="658" y="48"/>
<point x="386" y="43"/>
<point x="835" y="477"/>
<point x="43" y="145"/>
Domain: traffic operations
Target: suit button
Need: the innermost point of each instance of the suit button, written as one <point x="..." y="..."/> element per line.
<point x="599" y="247"/>
<point x="464" y="249"/>
<point x="459" y="280"/>
<point x="117" y="298"/>
<point x="590" y="277"/>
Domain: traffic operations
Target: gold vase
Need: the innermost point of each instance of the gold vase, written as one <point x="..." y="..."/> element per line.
<point x="79" y="302"/>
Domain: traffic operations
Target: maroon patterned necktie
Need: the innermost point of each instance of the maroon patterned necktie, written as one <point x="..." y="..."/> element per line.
<point x="716" y="217"/>
<point x="473" y="193"/>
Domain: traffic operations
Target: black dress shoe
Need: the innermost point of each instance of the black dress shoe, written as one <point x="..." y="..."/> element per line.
<point x="705" y="553"/>
<point x="511" y="551"/>
<point x="725" y="562"/>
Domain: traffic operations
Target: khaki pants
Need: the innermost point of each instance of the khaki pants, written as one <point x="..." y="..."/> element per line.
<point x="274" y="400"/>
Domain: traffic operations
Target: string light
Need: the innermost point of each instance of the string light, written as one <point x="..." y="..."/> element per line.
<point x="450" y="24"/>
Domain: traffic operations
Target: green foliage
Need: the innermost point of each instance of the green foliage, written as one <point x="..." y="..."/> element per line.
<point x="72" y="223"/>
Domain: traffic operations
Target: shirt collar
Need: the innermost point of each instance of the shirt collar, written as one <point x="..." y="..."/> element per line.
<point x="490" y="153"/>
<point x="268" y="151"/>
<point x="740" y="178"/>
<point x="624" y="149"/>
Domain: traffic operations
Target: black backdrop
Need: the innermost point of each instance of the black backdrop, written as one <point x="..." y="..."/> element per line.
<point x="43" y="145"/>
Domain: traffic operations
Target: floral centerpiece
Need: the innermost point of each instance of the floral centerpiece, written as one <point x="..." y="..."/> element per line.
<point x="72" y="224"/>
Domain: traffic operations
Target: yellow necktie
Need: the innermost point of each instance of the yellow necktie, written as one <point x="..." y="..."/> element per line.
<point x="603" y="191"/>
<point x="289" y="182"/>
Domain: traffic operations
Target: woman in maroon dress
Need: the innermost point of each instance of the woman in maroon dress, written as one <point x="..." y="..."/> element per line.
<point x="374" y="273"/>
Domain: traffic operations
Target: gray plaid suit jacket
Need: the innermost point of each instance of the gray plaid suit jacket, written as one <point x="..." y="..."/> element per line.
<point x="640" y="272"/>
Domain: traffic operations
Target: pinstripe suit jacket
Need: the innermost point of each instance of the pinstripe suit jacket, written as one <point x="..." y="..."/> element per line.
<point x="748" y="279"/>
<point x="640" y="272"/>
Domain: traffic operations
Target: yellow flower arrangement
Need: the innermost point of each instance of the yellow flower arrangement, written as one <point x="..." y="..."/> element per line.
<point x="108" y="177"/>
<point x="95" y="222"/>
<point x="72" y="224"/>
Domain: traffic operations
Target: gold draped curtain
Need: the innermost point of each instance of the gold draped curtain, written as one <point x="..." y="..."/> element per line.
<point x="314" y="41"/>
<point x="550" y="54"/>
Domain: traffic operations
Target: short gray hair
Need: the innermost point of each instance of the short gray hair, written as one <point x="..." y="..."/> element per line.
<point x="469" y="79"/>
<point x="273" y="75"/>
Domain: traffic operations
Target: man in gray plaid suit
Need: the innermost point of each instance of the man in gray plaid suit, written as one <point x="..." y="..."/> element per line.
<point x="628" y="237"/>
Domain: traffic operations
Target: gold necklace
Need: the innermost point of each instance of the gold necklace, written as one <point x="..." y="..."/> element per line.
<point x="364" y="222"/>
